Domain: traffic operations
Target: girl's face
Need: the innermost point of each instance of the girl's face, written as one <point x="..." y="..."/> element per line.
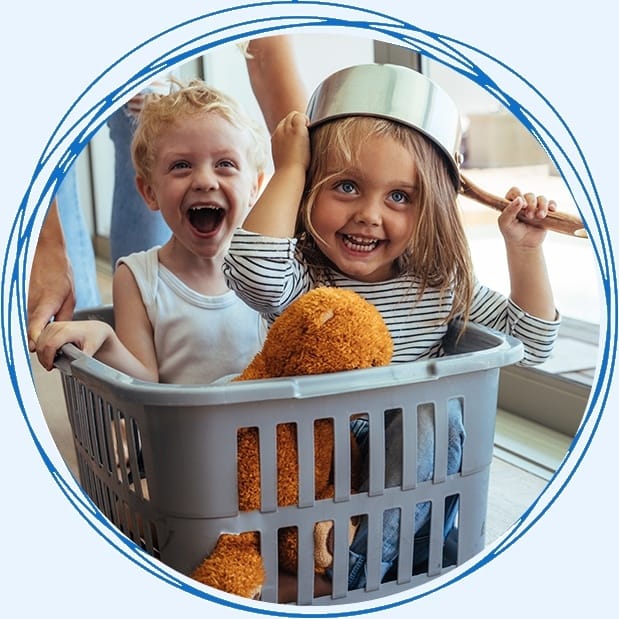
<point x="203" y="182"/>
<point x="363" y="218"/>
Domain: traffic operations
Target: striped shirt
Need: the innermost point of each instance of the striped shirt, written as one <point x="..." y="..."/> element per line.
<point x="270" y="273"/>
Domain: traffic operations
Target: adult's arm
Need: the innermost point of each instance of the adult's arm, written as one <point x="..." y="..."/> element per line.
<point x="51" y="292"/>
<point x="275" y="78"/>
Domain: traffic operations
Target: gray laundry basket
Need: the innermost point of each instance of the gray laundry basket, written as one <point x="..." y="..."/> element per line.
<point x="178" y="490"/>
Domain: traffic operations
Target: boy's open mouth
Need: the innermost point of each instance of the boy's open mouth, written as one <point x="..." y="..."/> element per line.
<point x="205" y="219"/>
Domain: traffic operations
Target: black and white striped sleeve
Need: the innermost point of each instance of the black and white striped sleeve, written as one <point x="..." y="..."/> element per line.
<point x="264" y="271"/>
<point x="494" y="310"/>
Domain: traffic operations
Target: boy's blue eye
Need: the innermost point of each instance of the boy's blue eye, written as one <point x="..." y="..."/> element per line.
<point x="226" y="163"/>
<point x="180" y="165"/>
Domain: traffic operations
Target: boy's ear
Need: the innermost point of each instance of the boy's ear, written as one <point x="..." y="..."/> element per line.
<point x="255" y="192"/>
<point x="146" y="191"/>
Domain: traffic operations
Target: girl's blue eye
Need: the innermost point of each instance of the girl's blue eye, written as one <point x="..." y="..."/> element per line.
<point x="399" y="197"/>
<point x="346" y="187"/>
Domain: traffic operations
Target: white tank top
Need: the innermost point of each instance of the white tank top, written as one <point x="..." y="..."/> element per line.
<point x="198" y="338"/>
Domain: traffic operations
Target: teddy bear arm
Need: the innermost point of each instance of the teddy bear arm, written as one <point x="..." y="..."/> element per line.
<point x="234" y="566"/>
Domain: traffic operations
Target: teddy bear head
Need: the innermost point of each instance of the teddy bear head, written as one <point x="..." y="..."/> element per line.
<point x="325" y="330"/>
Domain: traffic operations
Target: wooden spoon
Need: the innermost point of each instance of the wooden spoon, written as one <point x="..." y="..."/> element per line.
<point x="555" y="221"/>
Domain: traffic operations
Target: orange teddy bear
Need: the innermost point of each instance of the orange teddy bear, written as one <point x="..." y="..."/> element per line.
<point x="325" y="330"/>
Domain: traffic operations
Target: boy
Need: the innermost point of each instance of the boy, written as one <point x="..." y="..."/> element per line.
<point x="200" y="161"/>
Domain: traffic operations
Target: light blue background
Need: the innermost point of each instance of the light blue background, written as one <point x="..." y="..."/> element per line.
<point x="56" y="561"/>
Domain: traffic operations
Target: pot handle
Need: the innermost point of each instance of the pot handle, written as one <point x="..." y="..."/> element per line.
<point x="555" y="221"/>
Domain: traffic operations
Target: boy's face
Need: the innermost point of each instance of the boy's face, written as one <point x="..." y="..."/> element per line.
<point x="203" y="182"/>
<point x="364" y="217"/>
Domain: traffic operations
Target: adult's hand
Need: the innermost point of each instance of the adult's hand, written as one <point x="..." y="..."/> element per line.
<point x="51" y="292"/>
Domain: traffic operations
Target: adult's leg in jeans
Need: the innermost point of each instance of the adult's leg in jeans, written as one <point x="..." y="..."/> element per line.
<point x="134" y="227"/>
<point x="79" y="243"/>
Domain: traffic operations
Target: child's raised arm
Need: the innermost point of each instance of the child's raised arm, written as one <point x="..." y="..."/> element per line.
<point x="529" y="281"/>
<point x="275" y="212"/>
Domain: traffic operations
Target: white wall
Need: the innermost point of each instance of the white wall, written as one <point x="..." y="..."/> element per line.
<point x="468" y="96"/>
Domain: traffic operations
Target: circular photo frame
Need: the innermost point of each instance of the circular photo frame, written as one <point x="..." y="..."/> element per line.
<point x="139" y="66"/>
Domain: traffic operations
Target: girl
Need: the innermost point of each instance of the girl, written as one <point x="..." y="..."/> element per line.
<point x="369" y="204"/>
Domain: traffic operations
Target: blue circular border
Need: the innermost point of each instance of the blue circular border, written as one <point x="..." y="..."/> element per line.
<point x="241" y="22"/>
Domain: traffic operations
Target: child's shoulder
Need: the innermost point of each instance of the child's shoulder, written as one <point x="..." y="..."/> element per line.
<point x="148" y="257"/>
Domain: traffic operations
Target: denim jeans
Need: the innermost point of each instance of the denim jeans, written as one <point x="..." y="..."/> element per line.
<point x="79" y="244"/>
<point x="134" y="227"/>
<point x="393" y="476"/>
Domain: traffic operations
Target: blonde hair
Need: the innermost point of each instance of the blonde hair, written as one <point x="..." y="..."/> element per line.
<point x="437" y="255"/>
<point x="160" y="111"/>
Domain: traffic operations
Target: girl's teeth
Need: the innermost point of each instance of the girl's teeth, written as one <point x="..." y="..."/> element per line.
<point x="359" y="244"/>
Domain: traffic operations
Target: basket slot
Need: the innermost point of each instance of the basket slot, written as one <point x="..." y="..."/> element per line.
<point x="409" y="450"/>
<point x="110" y="458"/>
<point x="97" y="439"/>
<point x="83" y="419"/>
<point x="449" y="552"/>
<point x="87" y="478"/>
<point x="93" y="439"/>
<point x="101" y="415"/>
<point x="136" y="470"/>
<point x="441" y="439"/>
<point x="119" y="455"/>
<point x="400" y="436"/>
<point x="81" y="429"/>
<point x="105" y="499"/>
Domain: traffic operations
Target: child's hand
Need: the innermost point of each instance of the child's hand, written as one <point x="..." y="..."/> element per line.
<point x="87" y="335"/>
<point x="532" y="207"/>
<point x="290" y="142"/>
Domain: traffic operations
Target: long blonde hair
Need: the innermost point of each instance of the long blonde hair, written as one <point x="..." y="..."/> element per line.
<point x="437" y="254"/>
